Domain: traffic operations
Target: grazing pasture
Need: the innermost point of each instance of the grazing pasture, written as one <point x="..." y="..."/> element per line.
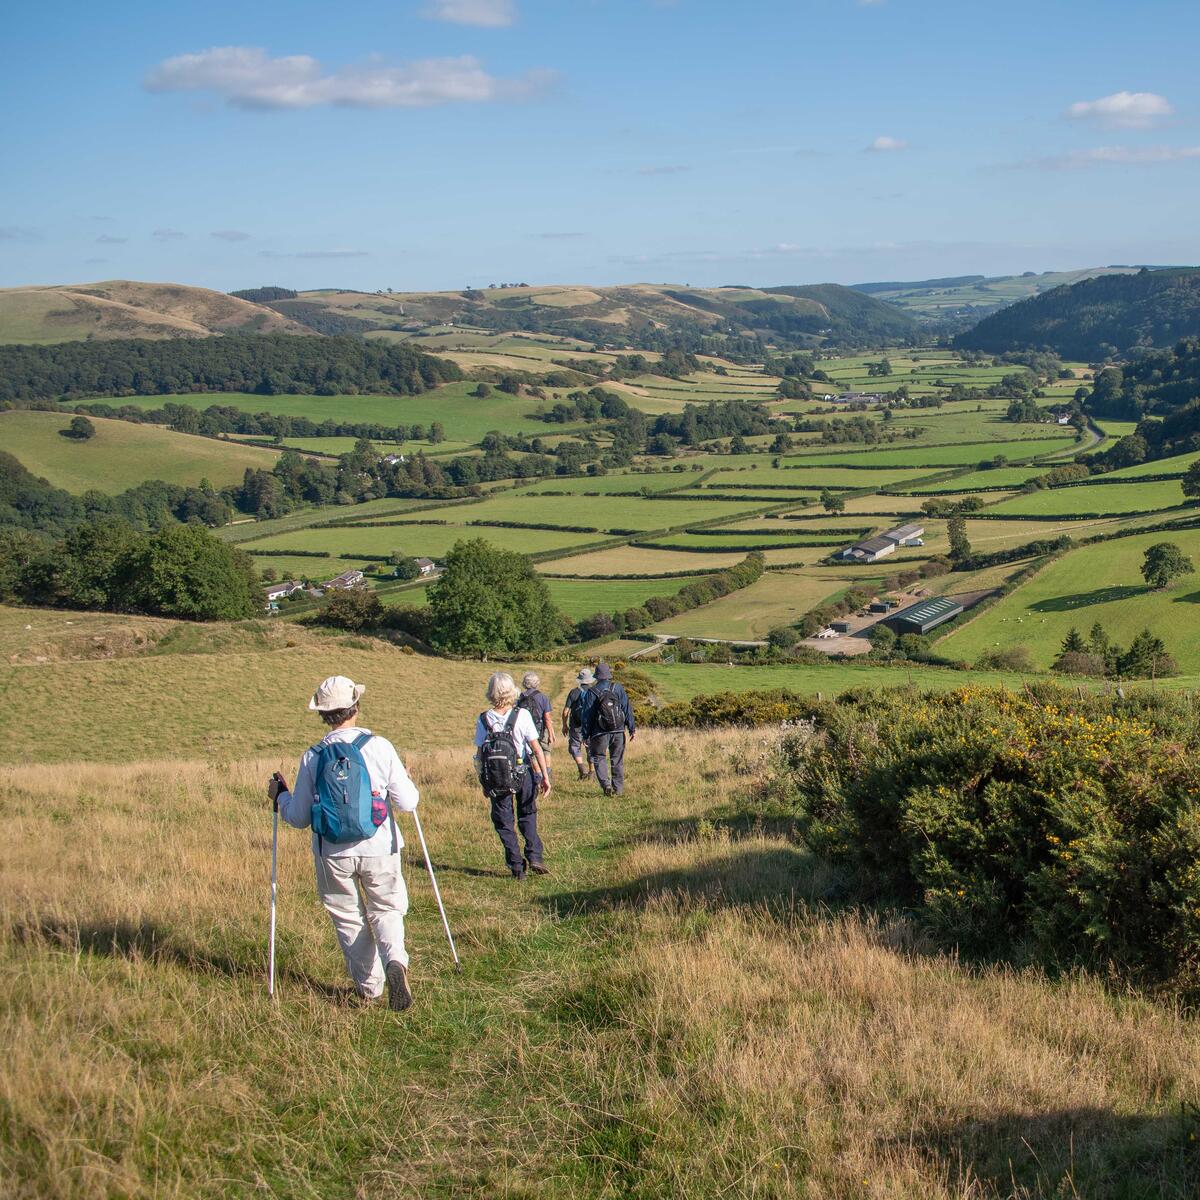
<point x="959" y="454"/>
<point x="122" y="455"/>
<point x="1102" y="498"/>
<point x="1093" y="583"/>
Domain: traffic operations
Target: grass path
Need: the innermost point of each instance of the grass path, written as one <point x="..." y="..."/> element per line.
<point x="677" y="1011"/>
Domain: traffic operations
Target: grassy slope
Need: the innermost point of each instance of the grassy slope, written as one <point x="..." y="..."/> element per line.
<point x="1095" y="583"/>
<point x="122" y="455"/>
<point x="681" y="1009"/>
<point x="1098" y="498"/>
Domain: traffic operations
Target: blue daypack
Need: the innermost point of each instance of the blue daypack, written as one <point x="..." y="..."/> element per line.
<point x="345" y="810"/>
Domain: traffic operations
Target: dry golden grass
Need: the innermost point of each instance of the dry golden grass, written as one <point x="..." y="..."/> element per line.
<point x="680" y="1010"/>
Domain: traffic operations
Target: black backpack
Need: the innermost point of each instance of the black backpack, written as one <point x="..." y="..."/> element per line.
<point x="575" y="706"/>
<point x="500" y="768"/>
<point x="610" y="716"/>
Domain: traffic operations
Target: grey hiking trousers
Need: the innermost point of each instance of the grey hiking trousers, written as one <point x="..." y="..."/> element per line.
<point x="608" y="757"/>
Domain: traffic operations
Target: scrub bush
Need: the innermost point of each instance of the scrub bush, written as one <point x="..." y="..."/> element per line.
<point x="1034" y="824"/>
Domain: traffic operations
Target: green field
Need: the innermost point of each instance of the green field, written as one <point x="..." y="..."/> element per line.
<point x="464" y="417"/>
<point x="606" y="485"/>
<point x="428" y="541"/>
<point x="1176" y="465"/>
<point x="1001" y="477"/>
<point x="959" y="454"/>
<point x="778" y="598"/>
<point x="122" y="455"/>
<point x="812" y="479"/>
<point x="1097" y="498"/>
<point x="1094" y="583"/>
<point x="634" y="560"/>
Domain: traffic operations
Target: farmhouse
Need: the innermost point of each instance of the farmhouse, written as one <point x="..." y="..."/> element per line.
<point x="347" y="579"/>
<point x="425" y="565"/>
<point x="871" y="550"/>
<point x="281" y="591"/>
<point x="859" y="398"/>
<point x="924" y="615"/>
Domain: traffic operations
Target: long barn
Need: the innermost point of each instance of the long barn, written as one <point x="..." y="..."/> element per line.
<point x="924" y="615"/>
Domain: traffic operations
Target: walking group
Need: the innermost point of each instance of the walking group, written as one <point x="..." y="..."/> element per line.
<point x="350" y="783"/>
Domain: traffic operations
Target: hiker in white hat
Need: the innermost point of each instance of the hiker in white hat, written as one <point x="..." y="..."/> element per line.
<point x="572" y="722"/>
<point x="345" y="787"/>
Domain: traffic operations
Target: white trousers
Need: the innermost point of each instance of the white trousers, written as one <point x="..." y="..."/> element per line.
<point x="366" y="900"/>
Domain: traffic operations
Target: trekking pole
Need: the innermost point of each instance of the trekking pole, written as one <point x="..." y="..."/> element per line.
<point x="274" y="890"/>
<point x="437" y="893"/>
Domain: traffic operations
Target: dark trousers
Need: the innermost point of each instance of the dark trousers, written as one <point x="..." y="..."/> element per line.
<point x="526" y="822"/>
<point x="608" y="757"/>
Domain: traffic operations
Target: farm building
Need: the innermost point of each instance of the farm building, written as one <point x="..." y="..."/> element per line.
<point x="425" y="565"/>
<point x="859" y="398"/>
<point x="924" y="615"/>
<point x="871" y="550"/>
<point x="281" y="591"/>
<point x="905" y="535"/>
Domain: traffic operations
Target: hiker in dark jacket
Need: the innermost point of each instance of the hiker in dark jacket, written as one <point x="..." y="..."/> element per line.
<point x="607" y="719"/>
<point x="572" y="722"/>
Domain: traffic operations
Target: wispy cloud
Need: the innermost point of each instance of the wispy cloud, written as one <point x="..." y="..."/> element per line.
<point x="560" y="237"/>
<point x="230" y="235"/>
<point x="91" y="262"/>
<point x="488" y="14"/>
<point x="1123" y="110"/>
<point x="664" y="169"/>
<point x="314" y="254"/>
<point x="247" y="77"/>
<point x="107" y="239"/>
<point x="1117" y="156"/>
<point x="19" y="233"/>
<point x="169" y="235"/>
<point x="886" y="145"/>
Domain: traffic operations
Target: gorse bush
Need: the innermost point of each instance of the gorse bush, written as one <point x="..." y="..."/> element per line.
<point x="1028" y="823"/>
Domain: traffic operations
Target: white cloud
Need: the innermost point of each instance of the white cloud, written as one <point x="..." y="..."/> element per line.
<point x="230" y="235"/>
<point x="1119" y="156"/>
<point x="247" y="77"/>
<point x="1123" y="110"/>
<point x="489" y="14"/>
<point x="664" y="169"/>
<point x="19" y="233"/>
<point x="169" y="235"/>
<point x="107" y="239"/>
<point x="887" y="145"/>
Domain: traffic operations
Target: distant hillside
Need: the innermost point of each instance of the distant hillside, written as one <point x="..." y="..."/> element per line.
<point x="122" y="308"/>
<point x="1114" y="315"/>
<point x="960" y="300"/>
<point x="642" y="315"/>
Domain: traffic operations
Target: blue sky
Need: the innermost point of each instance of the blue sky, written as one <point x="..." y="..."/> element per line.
<point x="445" y="143"/>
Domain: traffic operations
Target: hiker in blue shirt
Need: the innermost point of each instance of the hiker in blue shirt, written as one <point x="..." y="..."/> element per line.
<point x="607" y="722"/>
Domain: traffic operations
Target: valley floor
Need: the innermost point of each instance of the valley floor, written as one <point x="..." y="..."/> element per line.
<point x="683" y="1009"/>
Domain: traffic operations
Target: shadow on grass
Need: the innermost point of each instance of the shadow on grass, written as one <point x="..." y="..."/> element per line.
<point x="1084" y="1151"/>
<point x="727" y="875"/>
<point x="1086" y="599"/>
<point x="1191" y="598"/>
<point x="151" y="942"/>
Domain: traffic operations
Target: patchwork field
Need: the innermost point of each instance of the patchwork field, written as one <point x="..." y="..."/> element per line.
<point x="959" y="454"/>
<point x="1094" y="583"/>
<point x="1098" y="498"/>
<point x="635" y="560"/>
<point x="122" y="455"/>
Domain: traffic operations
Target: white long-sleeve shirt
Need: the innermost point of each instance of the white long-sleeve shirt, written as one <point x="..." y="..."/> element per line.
<point x="388" y="778"/>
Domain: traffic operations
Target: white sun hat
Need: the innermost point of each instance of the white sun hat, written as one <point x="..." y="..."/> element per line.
<point x="336" y="692"/>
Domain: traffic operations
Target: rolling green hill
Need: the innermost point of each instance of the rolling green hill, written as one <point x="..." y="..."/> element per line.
<point x="122" y="455"/>
<point x="640" y="314"/>
<point x="962" y="299"/>
<point x="121" y="308"/>
<point x="1115" y="315"/>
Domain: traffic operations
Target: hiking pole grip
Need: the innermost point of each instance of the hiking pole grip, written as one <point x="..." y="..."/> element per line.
<point x="436" y="891"/>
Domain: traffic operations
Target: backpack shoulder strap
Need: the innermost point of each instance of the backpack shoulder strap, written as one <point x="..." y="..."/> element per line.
<point x="511" y="723"/>
<point x="360" y="741"/>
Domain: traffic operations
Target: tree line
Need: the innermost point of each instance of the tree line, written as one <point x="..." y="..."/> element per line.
<point x="263" y="364"/>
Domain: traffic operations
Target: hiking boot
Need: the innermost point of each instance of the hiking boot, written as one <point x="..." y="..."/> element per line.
<point x="582" y="773"/>
<point x="519" y="876"/>
<point x="399" y="995"/>
<point x="538" y="868"/>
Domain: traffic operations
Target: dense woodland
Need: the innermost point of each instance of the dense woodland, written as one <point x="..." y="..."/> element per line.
<point x="1107" y="317"/>
<point x="268" y="365"/>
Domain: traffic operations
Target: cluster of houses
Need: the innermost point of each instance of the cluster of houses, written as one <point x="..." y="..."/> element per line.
<point x="854" y="398"/>
<point x="872" y="549"/>
<point x="287" y="588"/>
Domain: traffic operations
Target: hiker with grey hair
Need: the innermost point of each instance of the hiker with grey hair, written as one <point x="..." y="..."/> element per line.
<point x="538" y="705"/>
<point x="507" y="751"/>
<point x="345" y="789"/>
<point x="572" y="722"/>
<point x="607" y="720"/>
